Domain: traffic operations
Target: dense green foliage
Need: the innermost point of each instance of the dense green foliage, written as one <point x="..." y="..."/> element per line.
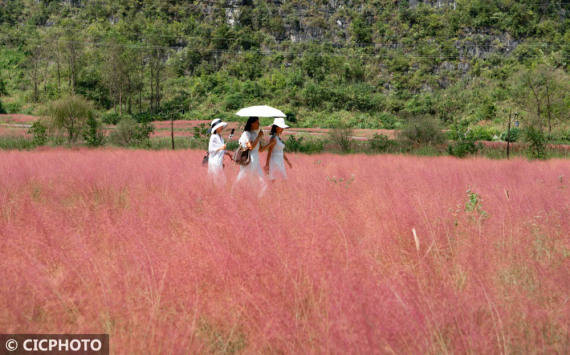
<point x="70" y="114"/>
<point x="368" y="64"/>
<point x="39" y="133"/>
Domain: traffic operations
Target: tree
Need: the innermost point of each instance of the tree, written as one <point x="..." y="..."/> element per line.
<point x="73" y="48"/>
<point x="92" y="133"/>
<point x="55" y="51"/>
<point x="116" y="77"/>
<point x="542" y="91"/>
<point x="35" y="56"/>
<point x="156" y="41"/>
<point x="70" y="114"/>
<point x="315" y="64"/>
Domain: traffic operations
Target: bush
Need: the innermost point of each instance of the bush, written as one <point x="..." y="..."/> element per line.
<point x="463" y="147"/>
<point x="2" y="110"/>
<point x="92" y="133"/>
<point x="111" y="118"/>
<point x="291" y="117"/>
<point x="131" y="133"/>
<point x="16" y="143"/>
<point x="3" y="90"/>
<point x="388" y="120"/>
<point x="233" y="102"/>
<point x="39" y="132"/>
<point x="513" y="137"/>
<point x="561" y="137"/>
<point x="13" y="107"/>
<point x="537" y="142"/>
<point x="464" y="142"/>
<point x="423" y="131"/>
<point x="481" y="133"/>
<point x="341" y="135"/>
<point x="232" y="145"/>
<point x="294" y="144"/>
<point x="70" y="114"/>
<point x="379" y="143"/>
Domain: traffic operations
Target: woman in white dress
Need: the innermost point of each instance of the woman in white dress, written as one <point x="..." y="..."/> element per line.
<point x="276" y="158"/>
<point x="251" y="139"/>
<point x="216" y="152"/>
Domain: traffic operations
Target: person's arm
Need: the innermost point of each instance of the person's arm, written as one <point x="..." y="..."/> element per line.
<point x="287" y="160"/>
<point x="270" y="146"/>
<point x="251" y="145"/>
<point x="262" y="147"/>
<point x="216" y="145"/>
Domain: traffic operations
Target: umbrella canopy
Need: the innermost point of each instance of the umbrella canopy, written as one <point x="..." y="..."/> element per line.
<point x="260" y="111"/>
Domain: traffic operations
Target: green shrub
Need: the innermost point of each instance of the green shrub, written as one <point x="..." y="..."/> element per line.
<point x="464" y="141"/>
<point x="379" y="143"/>
<point x="70" y="114"/>
<point x="232" y="145"/>
<point x="424" y="130"/>
<point x="2" y="110"/>
<point x="513" y="137"/>
<point x="13" y="107"/>
<point x="8" y="143"/>
<point x="201" y="132"/>
<point x="3" y="89"/>
<point x="313" y="145"/>
<point x="561" y="137"/>
<point x="388" y="120"/>
<point x="92" y="133"/>
<point x="111" y="118"/>
<point x="482" y="133"/>
<point x="131" y="133"/>
<point x="341" y="135"/>
<point x="291" y="117"/>
<point x="233" y="102"/>
<point x="293" y="144"/>
<point x="302" y="145"/>
<point x="39" y="133"/>
<point x="537" y="143"/>
<point x="463" y="147"/>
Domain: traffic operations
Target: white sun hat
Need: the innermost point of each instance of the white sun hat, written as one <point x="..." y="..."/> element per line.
<point x="220" y="124"/>
<point x="280" y="122"/>
<point x="214" y="122"/>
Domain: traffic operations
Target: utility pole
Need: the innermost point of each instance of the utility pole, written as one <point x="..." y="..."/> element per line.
<point x="172" y="129"/>
<point x="509" y="135"/>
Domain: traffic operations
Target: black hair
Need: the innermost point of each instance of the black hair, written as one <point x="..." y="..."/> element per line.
<point x="250" y="121"/>
<point x="273" y="130"/>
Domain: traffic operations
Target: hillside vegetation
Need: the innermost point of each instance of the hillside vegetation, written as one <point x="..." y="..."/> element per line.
<point x="367" y="64"/>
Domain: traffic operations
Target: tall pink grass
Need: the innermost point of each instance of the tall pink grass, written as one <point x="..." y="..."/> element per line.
<point x="140" y="245"/>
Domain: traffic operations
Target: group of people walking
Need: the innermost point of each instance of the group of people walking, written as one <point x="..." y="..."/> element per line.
<point x="252" y="141"/>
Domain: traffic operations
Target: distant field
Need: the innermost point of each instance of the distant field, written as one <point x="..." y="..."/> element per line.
<point x="354" y="254"/>
<point x="17" y="125"/>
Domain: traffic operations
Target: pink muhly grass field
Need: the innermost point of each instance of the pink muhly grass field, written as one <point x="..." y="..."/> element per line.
<point x="140" y="245"/>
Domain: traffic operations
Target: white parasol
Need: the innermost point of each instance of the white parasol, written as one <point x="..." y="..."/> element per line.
<point x="260" y="111"/>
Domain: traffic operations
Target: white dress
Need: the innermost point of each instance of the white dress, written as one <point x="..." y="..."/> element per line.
<point x="216" y="159"/>
<point x="251" y="172"/>
<point x="276" y="161"/>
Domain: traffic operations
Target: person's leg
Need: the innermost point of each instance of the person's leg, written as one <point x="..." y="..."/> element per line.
<point x="263" y="187"/>
<point x="238" y="180"/>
